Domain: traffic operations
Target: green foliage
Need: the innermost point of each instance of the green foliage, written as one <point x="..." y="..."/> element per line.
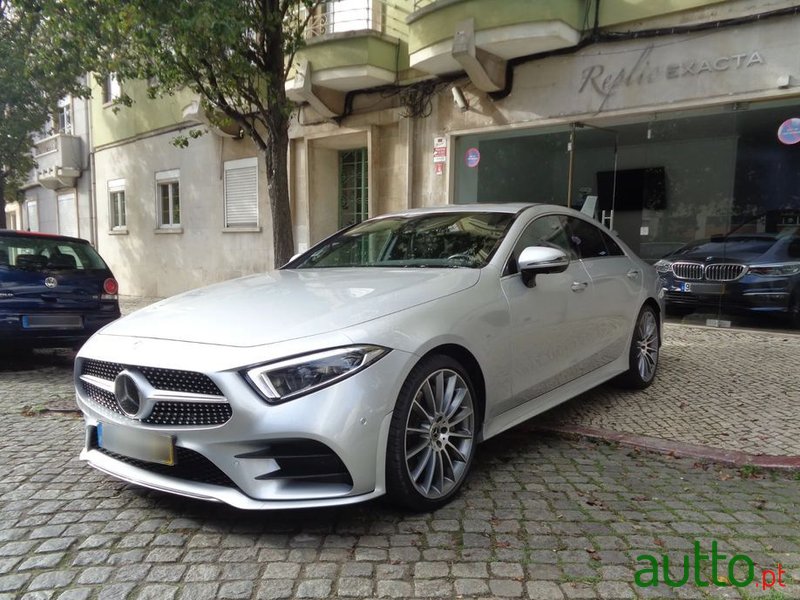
<point x="29" y="88"/>
<point x="235" y="54"/>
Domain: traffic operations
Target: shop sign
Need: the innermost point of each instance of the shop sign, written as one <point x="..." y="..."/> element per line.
<point x="642" y="71"/>
<point x="439" y="150"/>
<point x="789" y="131"/>
<point x="472" y="157"/>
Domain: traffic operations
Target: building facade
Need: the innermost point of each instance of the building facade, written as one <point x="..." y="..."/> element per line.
<point x="676" y="121"/>
<point x="57" y="192"/>
<point x="171" y="218"/>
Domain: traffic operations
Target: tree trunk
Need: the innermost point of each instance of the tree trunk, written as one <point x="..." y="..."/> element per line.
<point x="278" y="189"/>
<point x="2" y="200"/>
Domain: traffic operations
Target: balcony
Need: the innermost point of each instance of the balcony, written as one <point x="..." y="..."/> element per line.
<point x="58" y="161"/>
<point x="447" y="36"/>
<point x="350" y="45"/>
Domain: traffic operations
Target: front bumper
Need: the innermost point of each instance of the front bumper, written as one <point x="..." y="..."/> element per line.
<point x="13" y="333"/>
<point x="349" y="419"/>
<point x="750" y="294"/>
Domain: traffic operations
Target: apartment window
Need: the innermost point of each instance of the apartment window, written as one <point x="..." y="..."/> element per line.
<point x="111" y="88"/>
<point x="116" y="208"/>
<point x="241" y="193"/>
<point x="63" y="116"/>
<point x="353" y="187"/>
<point x="169" y="199"/>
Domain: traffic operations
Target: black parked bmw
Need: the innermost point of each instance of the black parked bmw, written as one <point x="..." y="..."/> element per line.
<point x="754" y="269"/>
<point x="55" y="291"/>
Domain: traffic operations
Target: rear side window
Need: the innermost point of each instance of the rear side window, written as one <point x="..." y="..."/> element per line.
<point x="45" y="254"/>
<point x="589" y="241"/>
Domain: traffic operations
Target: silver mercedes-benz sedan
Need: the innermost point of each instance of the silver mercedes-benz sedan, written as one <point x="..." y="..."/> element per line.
<point x="374" y="363"/>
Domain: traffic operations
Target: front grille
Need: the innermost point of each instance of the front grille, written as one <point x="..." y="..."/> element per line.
<point x="171" y="380"/>
<point x="716" y="272"/>
<point x="724" y="272"/>
<point x="180" y="381"/>
<point x="175" y="413"/>
<point x="189" y="413"/>
<point x="189" y="465"/>
<point x="102" y="398"/>
<point x="685" y="270"/>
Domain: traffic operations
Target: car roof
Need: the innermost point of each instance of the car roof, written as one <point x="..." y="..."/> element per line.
<point x="509" y="208"/>
<point x="39" y="235"/>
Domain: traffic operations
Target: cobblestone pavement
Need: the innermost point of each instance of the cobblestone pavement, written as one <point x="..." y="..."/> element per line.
<point x="734" y="390"/>
<point x="540" y="518"/>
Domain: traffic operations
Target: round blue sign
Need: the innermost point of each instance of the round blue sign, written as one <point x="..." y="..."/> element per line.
<point x="472" y="157"/>
<point x="789" y="131"/>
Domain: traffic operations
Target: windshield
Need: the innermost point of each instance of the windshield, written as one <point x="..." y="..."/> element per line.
<point x="429" y="240"/>
<point x="43" y="253"/>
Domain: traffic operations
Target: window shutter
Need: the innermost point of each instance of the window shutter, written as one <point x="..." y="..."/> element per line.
<point x="241" y="195"/>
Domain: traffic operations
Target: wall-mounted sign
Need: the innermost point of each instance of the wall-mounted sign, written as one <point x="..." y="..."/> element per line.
<point x="607" y="81"/>
<point x="472" y="157"/>
<point x="439" y="154"/>
<point x="789" y="131"/>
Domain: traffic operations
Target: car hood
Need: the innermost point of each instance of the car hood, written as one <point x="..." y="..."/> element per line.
<point x="744" y="249"/>
<point x="289" y="304"/>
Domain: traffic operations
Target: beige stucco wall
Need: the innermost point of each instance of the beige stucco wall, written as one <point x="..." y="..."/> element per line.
<point x="151" y="263"/>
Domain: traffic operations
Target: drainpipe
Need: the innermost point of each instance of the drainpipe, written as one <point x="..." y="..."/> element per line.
<point x="92" y="178"/>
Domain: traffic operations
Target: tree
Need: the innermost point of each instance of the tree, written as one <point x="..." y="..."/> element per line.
<point x="235" y="54"/>
<point x="29" y="91"/>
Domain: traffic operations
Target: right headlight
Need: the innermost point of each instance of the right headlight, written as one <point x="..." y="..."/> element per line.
<point x="776" y="270"/>
<point x="288" y="379"/>
<point x="663" y="266"/>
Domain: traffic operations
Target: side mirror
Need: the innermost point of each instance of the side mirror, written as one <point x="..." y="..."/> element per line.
<point x="538" y="260"/>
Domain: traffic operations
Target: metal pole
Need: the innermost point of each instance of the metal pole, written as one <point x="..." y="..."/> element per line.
<point x="571" y="149"/>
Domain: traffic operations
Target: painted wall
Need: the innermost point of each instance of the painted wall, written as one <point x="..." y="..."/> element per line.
<point x="148" y="262"/>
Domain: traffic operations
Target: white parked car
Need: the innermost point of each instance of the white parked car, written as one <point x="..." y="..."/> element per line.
<point x="372" y="364"/>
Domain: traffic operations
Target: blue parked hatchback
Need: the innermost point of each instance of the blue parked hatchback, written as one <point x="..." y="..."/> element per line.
<point x="55" y="291"/>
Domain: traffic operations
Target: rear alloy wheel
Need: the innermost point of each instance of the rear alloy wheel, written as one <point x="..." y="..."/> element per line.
<point x="643" y="355"/>
<point x="432" y="436"/>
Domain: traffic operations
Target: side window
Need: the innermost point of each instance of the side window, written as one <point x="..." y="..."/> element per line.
<point x="587" y="239"/>
<point x="548" y="231"/>
<point x="612" y="246"/>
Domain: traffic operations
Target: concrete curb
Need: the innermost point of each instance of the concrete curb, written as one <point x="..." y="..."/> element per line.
<point x="732" y="458"/>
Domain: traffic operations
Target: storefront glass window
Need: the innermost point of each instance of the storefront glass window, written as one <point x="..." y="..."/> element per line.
<point x="715" y="195"/>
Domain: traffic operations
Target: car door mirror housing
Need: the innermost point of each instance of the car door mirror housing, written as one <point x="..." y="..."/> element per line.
<point x="538" y="260"/>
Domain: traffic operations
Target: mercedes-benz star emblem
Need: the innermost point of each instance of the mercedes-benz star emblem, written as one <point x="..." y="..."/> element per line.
<point x="127" y="394"/>
<point x="51" y="282"/>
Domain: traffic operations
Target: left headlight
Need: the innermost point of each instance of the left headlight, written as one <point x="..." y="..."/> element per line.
<point x="293" y="377"/>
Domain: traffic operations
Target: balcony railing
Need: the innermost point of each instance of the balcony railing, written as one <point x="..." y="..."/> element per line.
<point x="341" y="16"/>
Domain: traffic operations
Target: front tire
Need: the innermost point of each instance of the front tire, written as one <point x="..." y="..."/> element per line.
<point x="432" y="435"/>
<point x="643" y="353"/>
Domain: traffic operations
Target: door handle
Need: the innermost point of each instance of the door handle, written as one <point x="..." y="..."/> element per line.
<point x="633" y="274"/>
<point x="579" y="286"/>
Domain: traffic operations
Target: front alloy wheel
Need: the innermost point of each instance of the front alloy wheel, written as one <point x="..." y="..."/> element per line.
<point x="432" y="438"/>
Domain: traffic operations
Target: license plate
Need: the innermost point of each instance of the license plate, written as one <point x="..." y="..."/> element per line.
<point x="135" y="443"/>
<point x="712" y="289"/>
<point x="52" y="322"/>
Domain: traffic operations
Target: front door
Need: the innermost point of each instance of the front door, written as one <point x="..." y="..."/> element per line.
<point x="547" y="334"/>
